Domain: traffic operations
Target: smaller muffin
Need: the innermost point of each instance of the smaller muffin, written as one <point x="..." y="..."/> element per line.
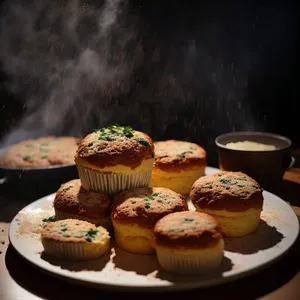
<point x="115" y="158"/>
<point x="72" y="201"/>
<point x="75" y="240"/>
<point x="188" y="242"/>
<point x="177" y="165"/>
<point x="135" y="212"/>
<point x="233" y="198"/>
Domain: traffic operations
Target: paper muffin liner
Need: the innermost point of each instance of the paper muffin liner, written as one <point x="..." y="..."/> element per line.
<point x="184" y="264"/>
<point x="104" y="222"/>
<point x="112" y="183"/>
<point x="74" y="251"/>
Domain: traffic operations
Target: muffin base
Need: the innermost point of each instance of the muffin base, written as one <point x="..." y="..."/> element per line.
<point x="74" y="251"/>
<point x="112" y="183"/>
<point x="104" y="222"/>
<point x="180" y="182"/>
<point x="190" y="261"/>
<point x="134" y="244"/>
<point x="236" y="224"/>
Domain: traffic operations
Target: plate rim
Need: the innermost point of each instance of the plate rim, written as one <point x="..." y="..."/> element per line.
<point x="153" y="287"/>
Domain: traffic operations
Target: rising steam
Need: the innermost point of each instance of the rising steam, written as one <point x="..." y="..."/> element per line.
<point x="68" y="60"/>
<point x="82" y="64"/>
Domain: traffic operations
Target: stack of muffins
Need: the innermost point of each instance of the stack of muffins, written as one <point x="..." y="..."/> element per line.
<point x="136" y="190"/>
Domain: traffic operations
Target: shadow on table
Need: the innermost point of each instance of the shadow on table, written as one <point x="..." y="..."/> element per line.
<point x="132" y="262"/>
<point x="256" y="285"/>
<point x="76" y="266"/>
<point x="255" y="242"/>
<point x="148" y="264"/>
<point x="52" y="288"/>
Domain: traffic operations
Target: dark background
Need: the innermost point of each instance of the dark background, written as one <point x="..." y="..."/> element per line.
<point x="206" y="68"/>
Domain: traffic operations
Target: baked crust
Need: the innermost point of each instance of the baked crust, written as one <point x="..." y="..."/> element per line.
<point x="145" y="206"/>
<point x="175" y="156"/>
<point x="74" y="233"/>
<point x="231" y="191"/>
<point x="44" y="151"/>
<point x="188" y="229"/>
<point x="72" y="198"/>
<point x="105" y="149"/>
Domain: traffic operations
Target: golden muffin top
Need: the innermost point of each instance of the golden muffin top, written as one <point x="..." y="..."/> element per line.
<point x="115" y="145"/>
<point x="173" y="155"/>
<point x="44" y="151"/>
<point x="72" y="198"/>
<point x="145" y="206"/>
<point x="231" y="191"/>
<point x="187" y="229"/>
<point x="74" y="231"/>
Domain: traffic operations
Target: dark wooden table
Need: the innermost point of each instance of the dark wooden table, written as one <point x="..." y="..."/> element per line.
<point x="19" y="280"/>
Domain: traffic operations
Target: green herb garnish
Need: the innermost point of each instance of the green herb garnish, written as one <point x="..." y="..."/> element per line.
<point x="133" y="201"/>
<point x="142" y="142"/>
<point x="44" y="156"/>
<point x="153" y="154"/>
<point x="187" y="220"/>
<point x="227" y="181"/>
<point x="67" y="188"/>
<point x="91" y="234"/>
<point x="115" y="131"/>
<point x="155" y="194"/>
<point x="64" y="229"/>
<point x="28" y="156"/>
<point x="147" y="205"/>
<point x="50" y="219"/>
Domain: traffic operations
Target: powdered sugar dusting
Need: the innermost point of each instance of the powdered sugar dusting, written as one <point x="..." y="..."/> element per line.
<point x="123" y="271"/>
<point x="30" y="220"/>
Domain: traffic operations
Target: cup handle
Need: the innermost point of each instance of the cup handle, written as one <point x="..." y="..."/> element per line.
<point x="292" y="162"/>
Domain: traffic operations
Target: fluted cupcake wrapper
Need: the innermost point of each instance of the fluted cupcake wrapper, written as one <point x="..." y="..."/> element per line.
<point x="184" y="264"/>
<point x="112" y="183"/>
<point x="74" y="251"/>
<point x="104" y="222"/>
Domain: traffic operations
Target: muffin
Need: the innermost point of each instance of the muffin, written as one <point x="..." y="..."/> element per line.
<point x="135" y="212"/>
<point x="72" y="201"/>
<point x="75" y="239"/>
<point x="115" y="158"/>
<point x="41" y="152"/>
<point x="233" y="198"/>
<point x="188" y="242"/>
<point x="177" y="165"/>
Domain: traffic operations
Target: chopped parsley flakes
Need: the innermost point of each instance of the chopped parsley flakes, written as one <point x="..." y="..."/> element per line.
<point x="50" y="219"/>
<point x="115" y="131"/>
<point x="28" y="157"/>
<point x="187" y="220"/>
<point x="67" y="188"/>
<point x="91" y="234"/>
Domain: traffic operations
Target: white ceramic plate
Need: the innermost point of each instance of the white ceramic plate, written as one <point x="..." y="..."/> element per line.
<point x="120" y="270"/>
